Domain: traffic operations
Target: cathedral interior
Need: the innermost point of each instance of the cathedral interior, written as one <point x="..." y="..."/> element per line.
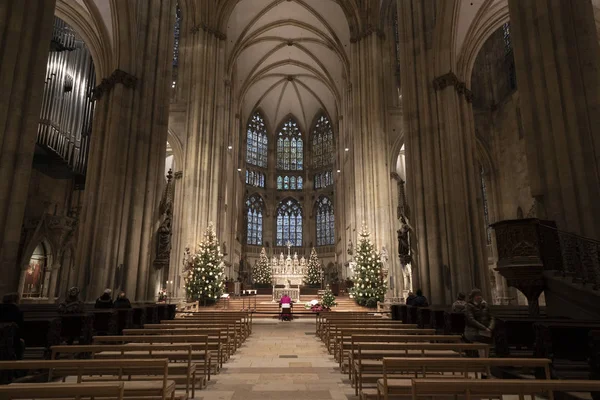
<point x="129" y="127"/>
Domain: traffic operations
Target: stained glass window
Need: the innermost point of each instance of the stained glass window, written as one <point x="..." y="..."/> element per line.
<point x="289" y="182"/>
<point x="325" y="222"/>
<point x="256" y="141"/>
<point x="289" y="223"/>
<point x="506" y="36"/>
<point x="486" y="216"/>
<point x="255" y="178"/>
<point x="290" y="151"/>
<point x="177" y="34"/>
<point x="323" y="179"/>
<point x="255" y="207"/>
<point x="322" y="143"/>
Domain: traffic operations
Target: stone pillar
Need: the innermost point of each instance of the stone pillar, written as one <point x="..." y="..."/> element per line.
<point x="205" y="124"/>
<point x="368" y="171"/>
<point x="557" y="59"/>
<point x="126" y="167"/>
<point x="26" y="33"/>
<point x="441" y="174"/>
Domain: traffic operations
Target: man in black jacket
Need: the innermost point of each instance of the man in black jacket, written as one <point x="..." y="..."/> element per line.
<point x="12" y="313"/>
<point x="104" y="301"/>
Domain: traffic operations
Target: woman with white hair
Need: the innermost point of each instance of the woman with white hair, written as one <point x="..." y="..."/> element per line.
<point x="104" y="301"/>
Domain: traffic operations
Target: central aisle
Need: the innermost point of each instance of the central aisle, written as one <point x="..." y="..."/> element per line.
<point x="280" y="360"/>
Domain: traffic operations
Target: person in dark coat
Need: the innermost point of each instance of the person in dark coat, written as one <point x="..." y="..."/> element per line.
<point x="12" y="313"/>
<point x="460" y="305"/>
<point x="479" y="323"/>
<point x="420" y="300"/>
<point x="104" y="301"/>
<point x="410" y="299"/>
<point x="122" y="301"/>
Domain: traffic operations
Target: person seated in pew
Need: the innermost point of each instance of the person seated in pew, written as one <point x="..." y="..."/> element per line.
<point x="410" y="299"/>
<point x="122" y="301"/>
<point x="104" y="301"/>
<point x="460" y="305"/>
<point x="72" y="304"/>
<point x="420" y="300"/>
<point x="12" y="313"/>
<point x="479" y="323"/>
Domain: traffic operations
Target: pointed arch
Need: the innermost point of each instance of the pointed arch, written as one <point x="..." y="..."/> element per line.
<point x="322" y="142"/>
<point x="256" y="140"/>
<point x="255" y="209"/>
<point x="325" y="225"/>
<point x="290" y="146"/>
<point x="289" y="222"/>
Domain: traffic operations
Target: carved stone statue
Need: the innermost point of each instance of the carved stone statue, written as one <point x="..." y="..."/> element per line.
<point x="163" y="242"/>
<point x="404" y="241"/>
<point x="383" y="256"/>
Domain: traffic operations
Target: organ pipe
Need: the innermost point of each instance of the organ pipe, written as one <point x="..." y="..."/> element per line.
<point x="67" y="106"/>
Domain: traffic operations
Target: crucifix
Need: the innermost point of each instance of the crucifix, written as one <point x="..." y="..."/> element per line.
<point x="289" y="246"/>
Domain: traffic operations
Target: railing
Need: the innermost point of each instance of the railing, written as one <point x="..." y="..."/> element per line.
<point x="580" y="257"/>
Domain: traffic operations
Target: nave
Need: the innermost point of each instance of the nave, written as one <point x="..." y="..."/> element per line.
<point x="280" y="360"/>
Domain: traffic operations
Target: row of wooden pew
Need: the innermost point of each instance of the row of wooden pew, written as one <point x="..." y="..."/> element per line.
<point x="387" y="359"/>
<point x="151" y="362"/>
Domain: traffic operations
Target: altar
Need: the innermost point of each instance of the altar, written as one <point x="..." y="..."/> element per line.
<point x="294" y="293"/>
<point x="288" y="270"/>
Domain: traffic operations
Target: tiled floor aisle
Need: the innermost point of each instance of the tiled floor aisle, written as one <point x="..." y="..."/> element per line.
<point x="265" y="367"/>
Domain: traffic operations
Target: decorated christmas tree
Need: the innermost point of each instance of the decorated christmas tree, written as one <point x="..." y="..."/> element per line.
<point x="261" y="273"/>
<point x="328" y="299"/>
<point x="313" y="270"/>
<point x="204" y="270"/>
<point x="369" y="286"/>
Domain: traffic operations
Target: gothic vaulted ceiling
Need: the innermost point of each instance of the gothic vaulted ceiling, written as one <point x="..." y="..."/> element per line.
<point x="288" y="57"/>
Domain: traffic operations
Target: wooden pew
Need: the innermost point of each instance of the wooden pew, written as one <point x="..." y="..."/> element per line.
<point x="328" y="325"/>
<point x="367" y="366"/>
<point x="107" y="391"/>
<point x="346" y="346"/>
<point x="181" y="367"/>
<point x="334" y="339"/>
<point x="323" y="318"/>
<point x="244" y="317"/>
<point x="496" y="388"/>
<point x="221" y="336"/>
<point x="202" y="348"/>
<point x="118" y="370"/>
<point x="397" y="372"/>
<point x="238" y="327"/>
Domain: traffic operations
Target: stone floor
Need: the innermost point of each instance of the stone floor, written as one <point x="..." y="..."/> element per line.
<point x="280" y="360"/>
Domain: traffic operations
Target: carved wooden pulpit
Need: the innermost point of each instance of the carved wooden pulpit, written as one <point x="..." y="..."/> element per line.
<point x="526" y="248"/>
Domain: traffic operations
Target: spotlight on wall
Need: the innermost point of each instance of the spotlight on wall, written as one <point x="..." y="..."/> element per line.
<point x="230" y="147"/>
<point x="346" y="149"/>
<point x="239" y="170"/>
<point x="339" y="171"/>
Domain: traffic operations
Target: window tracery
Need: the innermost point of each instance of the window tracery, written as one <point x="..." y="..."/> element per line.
<point x="323" y="179"/>
<point x="289" y="223"/>
<point x="325" y="222"/>
<point x="256" y="141"/>
<point x="290" y="182"/>
<point x="255" y="207"/>
<point x="255" y="178"/>
<point x="290" y="147"/>
<point x="322" y="143"/>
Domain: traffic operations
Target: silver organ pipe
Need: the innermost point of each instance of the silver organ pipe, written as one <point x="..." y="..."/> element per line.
<point x="67" y="106"/>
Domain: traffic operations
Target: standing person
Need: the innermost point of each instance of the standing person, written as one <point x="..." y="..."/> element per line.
<point x="104" y="301"/>
<point x="12" y="313"/>
<point x="460" y="305"/>
<point x="122" y="301"/>
<point x="420" y="300"/>
<point x="479" y="323"/>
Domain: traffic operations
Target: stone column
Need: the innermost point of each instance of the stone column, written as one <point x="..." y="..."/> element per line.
<point x="126" y="167"/>
<point x="557" y="60"/>
<point x="25" y="36"/>
<point x="368" y="170"/>
<point x="441" y="172"/>
<point x="205" y="124"/>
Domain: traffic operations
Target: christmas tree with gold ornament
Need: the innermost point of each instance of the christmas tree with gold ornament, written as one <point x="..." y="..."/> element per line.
<point x="204" y="279"/>
<point x="369" y="286"/>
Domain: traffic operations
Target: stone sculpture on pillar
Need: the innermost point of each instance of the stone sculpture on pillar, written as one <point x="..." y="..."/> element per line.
<point x="163" y="237"/>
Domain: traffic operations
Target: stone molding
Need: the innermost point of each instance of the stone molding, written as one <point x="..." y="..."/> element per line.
<point x="118" y="76"/>
<point x="219" y="35"/>
<point x="450" y="79"/>
<point x="370" y="29"/>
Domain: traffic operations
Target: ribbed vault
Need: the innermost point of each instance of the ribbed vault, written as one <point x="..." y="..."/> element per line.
<point x="288" y="57"/>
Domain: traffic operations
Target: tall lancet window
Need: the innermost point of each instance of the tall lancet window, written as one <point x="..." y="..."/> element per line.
<point x="255" y="208"/>
<point x="486" y="215"/>
<point x="177" y="34"/>
<point x="289" y="223"/>
<point x="322" y="143"/>
<point x="290" y="147"/>
<point x="325" y="222"/>
<point x="256" y="144"/>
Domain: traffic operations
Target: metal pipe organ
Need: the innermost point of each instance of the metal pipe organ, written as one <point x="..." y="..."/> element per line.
<point x="68" y="106"/>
